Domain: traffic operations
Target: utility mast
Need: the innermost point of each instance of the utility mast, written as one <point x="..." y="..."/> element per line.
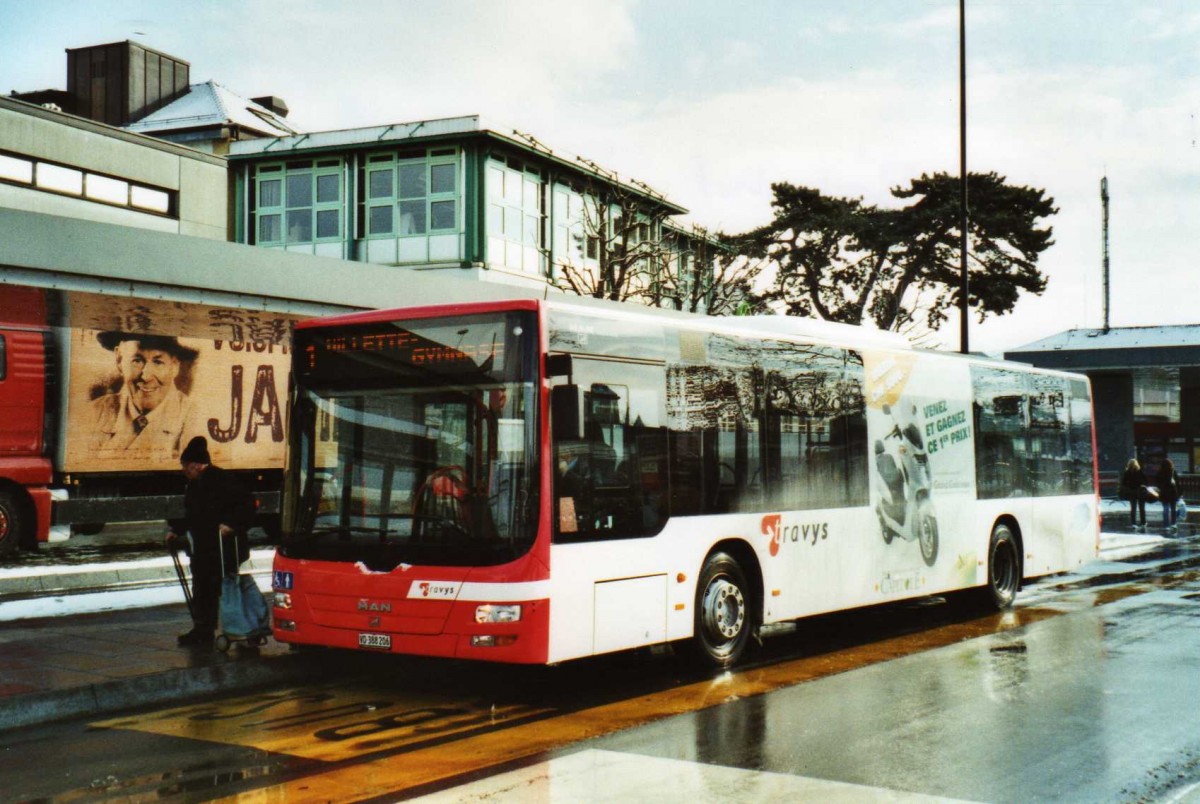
<point x="1104" y="206"/>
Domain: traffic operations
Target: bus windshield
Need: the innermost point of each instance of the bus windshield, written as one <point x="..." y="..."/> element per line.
<point x="416" y="442"/>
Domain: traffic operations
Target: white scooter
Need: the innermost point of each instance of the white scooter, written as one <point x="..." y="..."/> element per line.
<point x="903" y="486"/>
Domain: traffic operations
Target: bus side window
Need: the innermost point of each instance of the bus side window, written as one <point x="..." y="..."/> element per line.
<point x="1001" y="433"/>
<point x="609" y="483"/>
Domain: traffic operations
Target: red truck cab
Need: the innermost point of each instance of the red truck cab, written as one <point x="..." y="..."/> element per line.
<point x="26" y="469"/>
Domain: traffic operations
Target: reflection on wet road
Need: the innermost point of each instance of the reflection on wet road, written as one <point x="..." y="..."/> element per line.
<point x="1082" y="693"/>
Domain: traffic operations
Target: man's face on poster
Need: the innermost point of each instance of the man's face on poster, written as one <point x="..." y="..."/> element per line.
<point x="149" y="373"/>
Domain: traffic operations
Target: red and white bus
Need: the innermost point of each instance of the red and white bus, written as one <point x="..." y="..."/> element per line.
<point x="539" y="480"/>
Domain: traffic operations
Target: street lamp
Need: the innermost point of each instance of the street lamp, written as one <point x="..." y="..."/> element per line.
<point x="964" y="284"/>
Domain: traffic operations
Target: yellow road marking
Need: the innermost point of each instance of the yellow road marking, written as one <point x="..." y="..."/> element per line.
<point x="391" y="775"/>
<point x="328" y="723"/>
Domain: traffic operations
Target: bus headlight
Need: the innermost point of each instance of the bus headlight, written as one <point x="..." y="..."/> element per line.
<point x="283" y="600"/>
<point x="498" y="613"/>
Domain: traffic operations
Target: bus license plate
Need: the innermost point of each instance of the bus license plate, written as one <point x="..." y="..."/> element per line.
<point x="379" y="641"/>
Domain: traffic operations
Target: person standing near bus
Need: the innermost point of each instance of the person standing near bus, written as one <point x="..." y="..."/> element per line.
<point x="216" y="507"/>
<point x="1133" y="488"/>
<point x="1168" y="493"/>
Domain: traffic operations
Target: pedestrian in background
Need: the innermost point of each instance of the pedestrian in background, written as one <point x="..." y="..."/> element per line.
<point x="1168" y="493"/>
<point x="1133" y="488"/>
<point x="216" y="507"/>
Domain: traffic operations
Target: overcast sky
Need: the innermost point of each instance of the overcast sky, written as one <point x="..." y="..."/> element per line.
<point x="710" y="101"/>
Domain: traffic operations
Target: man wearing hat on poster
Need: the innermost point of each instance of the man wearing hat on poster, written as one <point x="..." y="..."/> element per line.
<point x="148" y="412"/>
<point x="216" y="507"/>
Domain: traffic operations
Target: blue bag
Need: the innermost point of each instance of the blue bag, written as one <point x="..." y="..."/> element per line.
<point x="244" y="612"/>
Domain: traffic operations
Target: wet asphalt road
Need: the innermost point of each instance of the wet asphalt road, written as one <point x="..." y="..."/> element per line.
<point x="1087" y="691"/>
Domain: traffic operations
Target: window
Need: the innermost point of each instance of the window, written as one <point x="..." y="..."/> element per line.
<point x="611" y="477"/>
<point x="412" y="193"/>
<point x="112" y="191"/>
<point x="1000" y="413"/>
<point x="1049" y="436"/>
<point x="768" y="425"/>
<point x="3" y="359"/>
<point x="65" y="180"/>
<point x="515" y="215"/>
<point x="1083" y="476"/>
<point x="15" y="169"/>
<point x="716" y="459"/>
<point x="574" y="243"/>
<point x="1033" y="435"/>
<point x="60" y="179"/>
<point x="151" y="200"/>
<point x="816" y="428"/>
<point x="299" y="202"/>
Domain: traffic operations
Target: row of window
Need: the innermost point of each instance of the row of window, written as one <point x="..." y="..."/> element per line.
<point x="401" y="194"/>
<point x="418" y="193"/>
<point x="784" y="432"/>
<point x="63" y="180"/>
<point x="1033" y="434"/>
<point x="772" y="426"/>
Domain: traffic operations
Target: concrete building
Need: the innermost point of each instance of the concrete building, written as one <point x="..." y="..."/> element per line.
<point x="1146" y="388"/>
<point x="209" y="117"/>
<point x="129" y="85"/>
<point x="59" y="164"/>
<point x="487" y="201"/>
<point x="455" y="194"/>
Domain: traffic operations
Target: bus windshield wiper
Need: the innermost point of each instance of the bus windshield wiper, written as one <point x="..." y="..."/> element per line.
<point x="347" y="530"/>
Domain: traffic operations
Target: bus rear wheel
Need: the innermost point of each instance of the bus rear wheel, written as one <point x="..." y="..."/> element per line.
<point x="724" y="617"/>
<point x="1004" y="568"/>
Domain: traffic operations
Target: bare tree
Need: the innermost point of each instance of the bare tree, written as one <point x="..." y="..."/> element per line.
<point x="705" y="272"/>
<point x="619" y="245"/>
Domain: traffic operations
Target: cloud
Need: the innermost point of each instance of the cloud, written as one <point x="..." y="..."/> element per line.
<point x="418" y="60"/>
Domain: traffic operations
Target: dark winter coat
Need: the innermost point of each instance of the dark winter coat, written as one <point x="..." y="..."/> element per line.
<point x="1132" y="482"/>
<point x="1167" y="481"/>
<point x="213" y="499"/>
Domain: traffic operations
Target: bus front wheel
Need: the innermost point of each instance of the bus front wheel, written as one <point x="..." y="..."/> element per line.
<point x="1004" y="567"/>
<point x="12" y="522"/>
<point x="724" y="619"/>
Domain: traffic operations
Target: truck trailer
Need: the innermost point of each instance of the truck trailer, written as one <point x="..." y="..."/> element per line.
<point x="99" y="393"/>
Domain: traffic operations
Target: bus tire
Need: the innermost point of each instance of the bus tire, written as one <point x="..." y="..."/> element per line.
<point x="927" y="531"/>
<point x="724" y="619"/>
<point x="1004" y="568"/>
<point x="13" y="522"/>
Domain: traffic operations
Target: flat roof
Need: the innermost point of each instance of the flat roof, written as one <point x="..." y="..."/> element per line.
<point x="1115" y="348"/>
<point x="424" y="130"/>
<point x="92" y="127"/>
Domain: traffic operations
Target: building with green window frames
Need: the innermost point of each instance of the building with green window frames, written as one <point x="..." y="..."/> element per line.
<point x="437" y="194"/>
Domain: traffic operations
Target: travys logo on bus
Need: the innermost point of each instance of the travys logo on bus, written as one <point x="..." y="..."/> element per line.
<point x="434" y="590"/>
<point x="780" y="531"/>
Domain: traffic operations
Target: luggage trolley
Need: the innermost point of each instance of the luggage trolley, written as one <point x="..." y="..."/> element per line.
<point x="245" y="616"/>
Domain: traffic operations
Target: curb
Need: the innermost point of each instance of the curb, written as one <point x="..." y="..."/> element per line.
<point x="111" y="578"/>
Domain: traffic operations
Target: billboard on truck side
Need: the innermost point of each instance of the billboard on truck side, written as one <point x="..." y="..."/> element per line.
<point x="134" y="396"/>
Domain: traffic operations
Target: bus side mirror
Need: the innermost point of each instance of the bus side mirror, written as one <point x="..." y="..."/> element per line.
<point x="558" y="365"/>
<point x="564" y="413"/>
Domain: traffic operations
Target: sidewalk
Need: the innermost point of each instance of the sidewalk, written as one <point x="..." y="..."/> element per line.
<point x="90" y="664"/>
<point x="96" y="638"/>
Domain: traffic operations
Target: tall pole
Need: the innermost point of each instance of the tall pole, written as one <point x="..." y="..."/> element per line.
<point x="964" y="285"/>
<point x="1104" y="278"/>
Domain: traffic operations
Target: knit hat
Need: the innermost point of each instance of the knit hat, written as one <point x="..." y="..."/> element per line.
<point x="196" y="451"/>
